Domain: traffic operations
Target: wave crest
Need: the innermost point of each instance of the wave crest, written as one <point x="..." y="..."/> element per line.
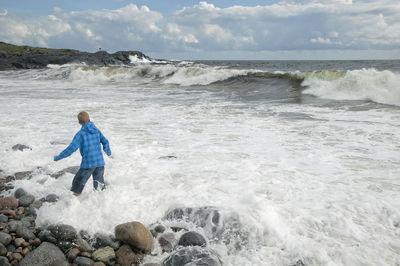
<point x="364" y="84"/>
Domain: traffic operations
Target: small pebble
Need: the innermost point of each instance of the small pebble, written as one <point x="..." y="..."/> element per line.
<point x="18" y="241"/>
<point x="17" y="256"/>
<point x="25" y="251"/>
<point x="85" y="254"/>
<point x="36" y="242"/>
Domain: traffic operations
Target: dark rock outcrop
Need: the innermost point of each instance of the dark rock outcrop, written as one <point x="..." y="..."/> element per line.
<point x="26" y="57"/>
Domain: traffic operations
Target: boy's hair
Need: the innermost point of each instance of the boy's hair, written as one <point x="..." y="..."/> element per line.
<point x="83" y="117"/>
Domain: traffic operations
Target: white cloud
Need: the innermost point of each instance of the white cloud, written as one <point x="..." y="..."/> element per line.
<point x="321" y="40"/>
<point x="3" y="12"/>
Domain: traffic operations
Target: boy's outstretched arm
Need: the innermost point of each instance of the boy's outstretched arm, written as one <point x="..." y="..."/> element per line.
<point x="71" y="148"/>
<point x="106" y="145"/>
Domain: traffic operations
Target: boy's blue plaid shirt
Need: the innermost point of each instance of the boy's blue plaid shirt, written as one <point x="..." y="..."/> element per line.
<point x="88" y="140"/>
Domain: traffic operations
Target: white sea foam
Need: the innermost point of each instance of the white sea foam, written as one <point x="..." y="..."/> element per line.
<point x="182" y="74"/>
<point x="365" y="84"/>
<point x="323" y="189"/>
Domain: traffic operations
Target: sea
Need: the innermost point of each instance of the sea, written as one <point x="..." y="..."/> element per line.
<point x="305" y="154"/>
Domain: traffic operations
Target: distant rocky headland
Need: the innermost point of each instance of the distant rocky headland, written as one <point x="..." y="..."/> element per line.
<point x="14" y="57"/>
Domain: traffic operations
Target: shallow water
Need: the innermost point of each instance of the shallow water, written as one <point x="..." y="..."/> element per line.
<point x="307" y="157"/>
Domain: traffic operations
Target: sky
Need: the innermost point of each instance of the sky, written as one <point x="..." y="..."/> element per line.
<point x="213" y="29"/>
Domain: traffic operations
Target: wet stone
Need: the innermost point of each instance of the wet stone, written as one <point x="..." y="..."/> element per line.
<point x="46" y="236"/>
<point x="3" y="250"/>
<point x="3" y="218"/>
<point x="4" y="261"/>
<point x="26" y="200"/>
<point x="17" y="256"/>
<point x="83" y="245"/>
<point x="11" y="248"/>
<point x="105" y="255"/>
<point x="51" y="198"/>
<point x="45" y="254"/>
<point x="37" y="204"/>
<point x="12" y="225"/>
<point x="167" y="242"/>
<point x="125" y="256"/>
<point x="9" y="202"/>
<point x="65" y="246"/>
<point x="157" y="229"/>
<point x="5" y="239"/>
<point x="193" y="255"/>
<point x="83" y="261"/>
<point x="20" y="147"/>
<point x="63" y="232"/>
<point x="192" y="239"/>
<point x="24" y="232"/>
<point x="102" y="240"/>
<point x="22" y="175"/>
<point x="10" y="213"/>
<point x="72" y="254"/>
<point x="25" y="251"/>
<point x="18" y="241"/>
<point x="19" y="193"/>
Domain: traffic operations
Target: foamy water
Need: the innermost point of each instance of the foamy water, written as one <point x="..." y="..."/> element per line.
<point x="317" y="182"/>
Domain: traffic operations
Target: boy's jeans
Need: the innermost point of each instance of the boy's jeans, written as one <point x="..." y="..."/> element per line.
<point x="83" y="175"/>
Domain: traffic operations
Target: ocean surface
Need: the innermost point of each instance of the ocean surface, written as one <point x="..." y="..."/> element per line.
<point x="305" y="153"/>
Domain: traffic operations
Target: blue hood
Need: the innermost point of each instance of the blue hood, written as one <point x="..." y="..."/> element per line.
<point x="89" y="127"/>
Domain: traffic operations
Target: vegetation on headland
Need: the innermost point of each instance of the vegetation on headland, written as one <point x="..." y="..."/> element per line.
<point x="12" y="49"/>
<point x="27" y="57"/>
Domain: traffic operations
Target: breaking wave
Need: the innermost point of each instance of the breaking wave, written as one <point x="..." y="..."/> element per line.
<point x="363" y="84"/>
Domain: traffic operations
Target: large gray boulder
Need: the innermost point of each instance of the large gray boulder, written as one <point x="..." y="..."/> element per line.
<point x="217" y="227"/>
<point x="45" y="255"/>
<point x="208" y="218"/>
<point x="196" y="256"/>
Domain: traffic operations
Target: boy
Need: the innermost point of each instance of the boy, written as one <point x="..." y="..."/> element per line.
<point x="88" y="141"/>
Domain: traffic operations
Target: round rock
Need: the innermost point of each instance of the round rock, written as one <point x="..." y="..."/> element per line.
<point x="5" y="239"/>
<point x="9" y="202"/>
<point x="19" y="193"/>
<point x="136" y="235"/>
<point x="125" y="256"/>
<point x="4" y="261"/>
<point x="26" y="200"/>
<point x="51" y="198"/>
<point x="106" y="255"/>
<point x="167" y="242"/>
<point x="63" y="232"/>
<point x="24" y="232"/>
<point x="82" y="261"/>
<point x="192" y="239"/>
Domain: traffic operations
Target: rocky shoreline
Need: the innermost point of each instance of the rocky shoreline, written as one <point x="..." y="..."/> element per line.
<point x="22" y="242"/>
<point x="183" y="236"/>
<point x="13" y="57"/>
